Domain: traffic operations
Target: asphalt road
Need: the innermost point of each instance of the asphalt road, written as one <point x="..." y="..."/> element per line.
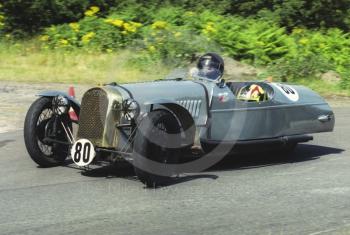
<point x="307" y="192"/>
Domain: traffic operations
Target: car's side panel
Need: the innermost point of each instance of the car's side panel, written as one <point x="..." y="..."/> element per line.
<point x="188" y="94"/>
<point x="280" y="116"/>
<point x="269" y="122"/>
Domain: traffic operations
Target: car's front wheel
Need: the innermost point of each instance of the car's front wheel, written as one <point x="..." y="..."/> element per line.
<point x="39" y="123"/>
<point x="158" y="141"/>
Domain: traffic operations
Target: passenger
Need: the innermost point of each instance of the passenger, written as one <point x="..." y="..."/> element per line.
<point x="252" y="92"/>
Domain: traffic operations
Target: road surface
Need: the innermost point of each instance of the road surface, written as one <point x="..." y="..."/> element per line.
<point x="307" y="192"/>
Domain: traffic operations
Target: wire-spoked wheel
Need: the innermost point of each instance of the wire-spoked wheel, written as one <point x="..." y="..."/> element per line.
<point x="41" y="123"/>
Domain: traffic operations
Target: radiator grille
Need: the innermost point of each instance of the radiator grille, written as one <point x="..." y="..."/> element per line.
<point x="93" y="113"/>
<point x="193" y="106"/>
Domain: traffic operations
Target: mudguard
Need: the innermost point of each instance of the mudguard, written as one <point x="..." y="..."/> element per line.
<point x="73" y="102"/>
<point x="182" y="114"/>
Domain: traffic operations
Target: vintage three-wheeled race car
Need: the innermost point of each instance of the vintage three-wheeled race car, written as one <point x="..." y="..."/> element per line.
<point x="150" y="124"/>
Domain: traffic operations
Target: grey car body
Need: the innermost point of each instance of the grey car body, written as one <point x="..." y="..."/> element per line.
<point x="112" y="119"/>
<point x="273" y="118"/>
<point x="210" y="120"/>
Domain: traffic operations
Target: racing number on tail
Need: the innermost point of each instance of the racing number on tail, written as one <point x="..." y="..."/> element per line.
<point x="83" y="152"/>
<point x="288" y="91"/>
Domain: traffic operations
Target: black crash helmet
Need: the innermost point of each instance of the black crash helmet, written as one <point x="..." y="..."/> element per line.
<point x="211" y="66"/>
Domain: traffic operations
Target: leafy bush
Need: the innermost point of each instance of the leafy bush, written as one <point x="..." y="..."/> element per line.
<point x="92" y="32"/>
<point x="172" y="45"/>
<point x="176" y="35"/>
<point x="314" y="52"/>
<point x="296" y="13"/>
<point x="24" y="17"/>
<point x="298" y="67"/>
<point x="255" y="42"/>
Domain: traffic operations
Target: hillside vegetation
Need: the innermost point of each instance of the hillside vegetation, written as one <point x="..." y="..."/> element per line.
<point x="292" y="41"/>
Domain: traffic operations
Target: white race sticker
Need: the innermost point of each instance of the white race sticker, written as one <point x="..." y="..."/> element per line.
<point x="83" y="152"/>
<point x="288" y="91"/>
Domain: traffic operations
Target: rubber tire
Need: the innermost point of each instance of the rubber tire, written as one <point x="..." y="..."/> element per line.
<point x="60" y="152"/>
<point x="142" y="146"/>
<point x="289" y="148"/>
<point x="208" y="148"/>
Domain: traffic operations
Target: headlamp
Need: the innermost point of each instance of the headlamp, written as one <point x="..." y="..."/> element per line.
<point x="60" y="105"/>
<point x="131" y="109"/>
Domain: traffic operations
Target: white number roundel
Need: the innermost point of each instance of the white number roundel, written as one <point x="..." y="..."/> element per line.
<point x="288" y="91"/>
<point x="83" y="152"/>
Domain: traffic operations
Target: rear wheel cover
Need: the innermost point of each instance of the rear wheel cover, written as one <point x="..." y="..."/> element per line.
<point x="151" y="144"/>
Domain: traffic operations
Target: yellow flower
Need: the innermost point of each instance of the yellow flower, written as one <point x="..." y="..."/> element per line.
<point x="304" y="41"/>
<point x="95" y="9"/>
<point x="177" y="34"/>
<point x="152" y="48"/>
<point x="297" y="31"/>
<point x="129" y="27"/>
<point x="118" y="23"/>
<point x="159" y="25"/>
<point x="88" y="13"/>
<point x="209" y="28"/>
<point x="2" y="21"/>
<point x="74" y="26"/>
<point x="136" y="24"/>
<point x="92" y="11"/>
<point x="87" y="37"/>
<point x="109" y="21"/>
<point x="44" y="38"/>
<point x="64" y="42"/>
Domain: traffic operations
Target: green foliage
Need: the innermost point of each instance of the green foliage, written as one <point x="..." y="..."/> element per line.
<point x="171" y="44"/>
<point x="175" y="32"/>
<point x="298" y="67"/>
<point x="253" y="41"/>
<point x="23" y="17"/>
<point x="92" y="33"/>
<point x="314" y="52"/>
<point x="345" y="82"/>
<point x="171" y="41"/>
<point x="297" y="13"/>
<point x="2" y="19"/>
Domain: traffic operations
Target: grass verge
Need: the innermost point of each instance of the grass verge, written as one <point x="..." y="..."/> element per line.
<point x="25" y="62"/>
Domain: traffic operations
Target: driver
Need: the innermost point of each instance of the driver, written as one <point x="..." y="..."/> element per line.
<point x="210" y="66"/>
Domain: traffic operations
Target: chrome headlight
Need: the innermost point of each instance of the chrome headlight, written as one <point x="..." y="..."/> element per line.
<point x="60" y="105"/>
<point x="131" y="109"/>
